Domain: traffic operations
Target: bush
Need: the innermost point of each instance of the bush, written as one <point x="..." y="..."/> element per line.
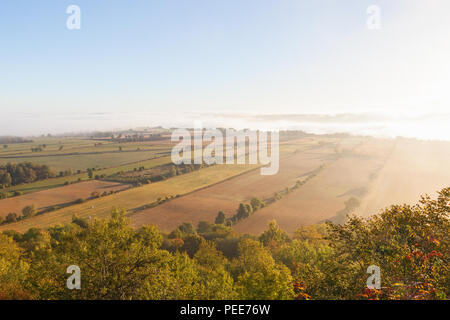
<point x="29" y="211"/>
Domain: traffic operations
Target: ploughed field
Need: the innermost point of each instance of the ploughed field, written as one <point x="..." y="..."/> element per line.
<point x="414" y="169"/>
<point x="134" y="198"/>
<point x="322" y="197"/>
<point x="60" y="181"/>
<point x="334" y="170"/>
<point x="139" y="198"/>
<point x="58" y="196"/>
<point x="204" y="204"/>
<point x="379" y="173"/>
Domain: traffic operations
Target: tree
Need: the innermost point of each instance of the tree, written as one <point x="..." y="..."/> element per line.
<point x="176" y="234"/>
<point x="220" y="219"/>
<point x="95" y="194"/>
<point x="256" y="203"/>
<point x="26" y="172"/>
<point x="187" y="228"/>
<point x="6" y="179"/>
<point x="11" y="217"/>
<point x="259" y="276"/>
<point x="203" y="227"/>
<point x="242" y="212"/>
<point x="117" y="263"/>
<point x="218" y="284"/>
<point x="409" y="243"/>
<point x="329" y="261"/>
<point x="90" y="173"/>
<point x="13" y="270"/>
<point x="274" y="235"/>
<point x="248" y="209"/>
<point x="29" y="211"/>
<point x="191" y="244"/>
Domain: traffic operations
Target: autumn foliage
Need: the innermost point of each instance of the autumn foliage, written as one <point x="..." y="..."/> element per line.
<point x="410" y="244"/>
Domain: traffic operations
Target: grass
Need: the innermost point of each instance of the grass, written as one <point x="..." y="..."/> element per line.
<point x="80" y="154"/>
<point x="134" y="198"/>
<point x="84" y="161"/>
<point x="58" y="182"/>
<point x="99" y="161"/>
<point x="72" y="145"/>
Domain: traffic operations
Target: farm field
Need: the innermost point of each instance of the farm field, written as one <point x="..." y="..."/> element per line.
<point x="415" y="168"/>
<point x="59" y="181"/>
<point x="134" y="198"/>
<point x="83" y="161"/>
<point x="324" y="196"/>
<point x="61" y="154"/>
<point x="58" y="196"/>
<point x="226" y="196"/>
<point x="51" y="145"/>
<point x="377" y="172"/>
<point x="81" y="150"/>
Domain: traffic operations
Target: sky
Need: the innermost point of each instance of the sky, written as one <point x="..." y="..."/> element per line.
<point x="138" y="62"/>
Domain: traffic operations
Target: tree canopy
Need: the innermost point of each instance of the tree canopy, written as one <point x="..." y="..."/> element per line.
<point x="410" y="245"/>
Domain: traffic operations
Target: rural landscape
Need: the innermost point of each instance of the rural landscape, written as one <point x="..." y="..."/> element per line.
<point x="205" y="157"/>
<point x="59" y="194"/>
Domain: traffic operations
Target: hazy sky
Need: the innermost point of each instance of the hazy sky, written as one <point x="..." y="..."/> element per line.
<point x="248" y="56"/>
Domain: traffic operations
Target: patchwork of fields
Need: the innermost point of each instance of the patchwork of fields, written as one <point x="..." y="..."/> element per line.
<point x="134" y="198"/>
<point x="64" y="154"/>
<point x="323" y="197"/>
<point x="60" y="181"/>
<point x="203" y="205"/>
<point x="58" y="196"/>
<point x="375" y="172"/>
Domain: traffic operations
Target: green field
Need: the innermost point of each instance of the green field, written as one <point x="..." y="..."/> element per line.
<point x="84" y="161"/>
<point x="80" y="154"/>
<point x="58" y="182"/>
<point x="111" y="163"/>
<point x="108" y="163"/>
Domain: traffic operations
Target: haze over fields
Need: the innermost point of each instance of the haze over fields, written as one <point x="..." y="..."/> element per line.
<point x="320" y="177"/>
<point x="224" y="150"/>
<point x="428" y="126"/>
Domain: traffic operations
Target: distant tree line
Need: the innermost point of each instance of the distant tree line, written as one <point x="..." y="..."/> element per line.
<point x="137" y="137"/>
<point x="13" y="174"/>
<point x="246" y="209"/>
<point x="27" y="212"/>
<point x="164" y="172"/>
<point x="11" y="140"/>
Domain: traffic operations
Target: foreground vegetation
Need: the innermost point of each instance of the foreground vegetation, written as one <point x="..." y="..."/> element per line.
<point x="409" y="243"/>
